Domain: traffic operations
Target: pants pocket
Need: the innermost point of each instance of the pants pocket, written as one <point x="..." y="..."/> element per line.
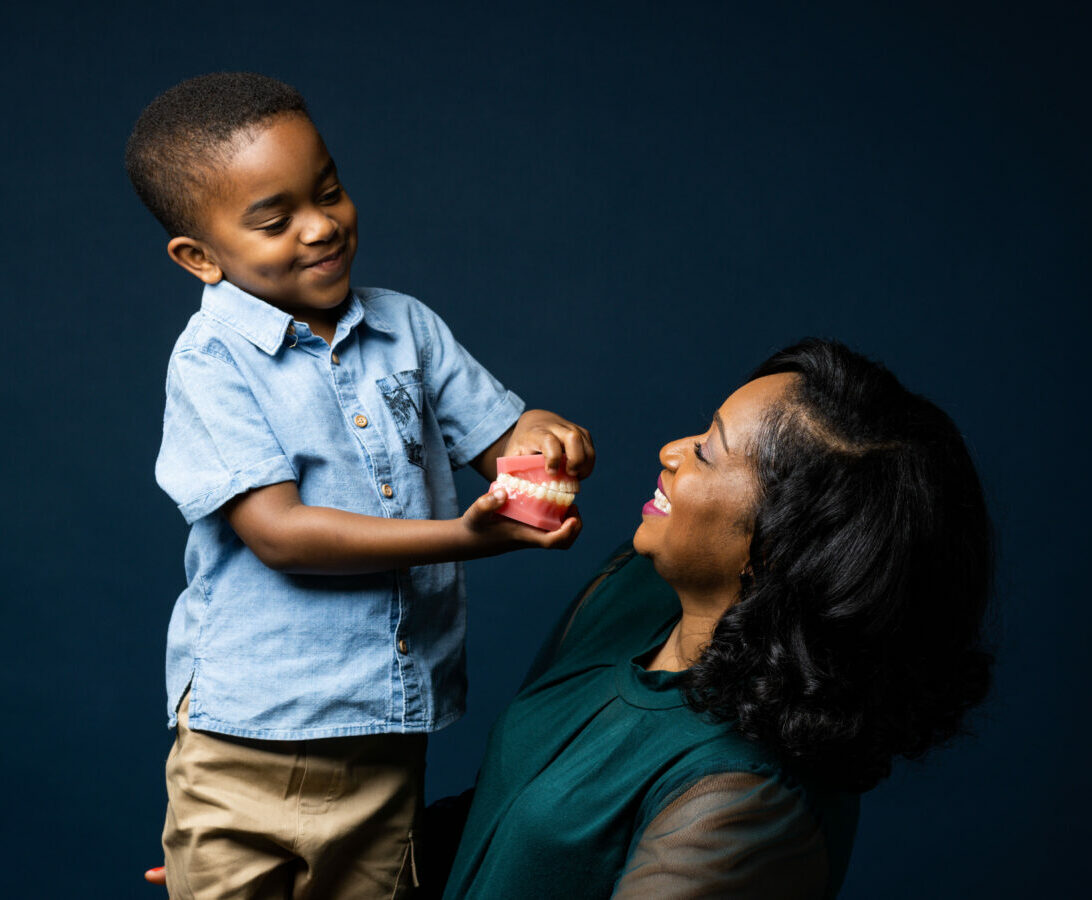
<point x="407" y="874"/>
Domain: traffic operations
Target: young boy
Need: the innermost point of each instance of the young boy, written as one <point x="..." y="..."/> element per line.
<point x="309" y="439"/>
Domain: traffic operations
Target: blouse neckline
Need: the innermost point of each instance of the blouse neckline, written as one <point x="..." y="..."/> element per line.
<point x="650" y="689"/>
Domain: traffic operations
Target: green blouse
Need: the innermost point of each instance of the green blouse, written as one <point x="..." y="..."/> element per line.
<point x="599" y="781"/>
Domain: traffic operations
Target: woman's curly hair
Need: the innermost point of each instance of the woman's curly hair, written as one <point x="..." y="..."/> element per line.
<point x="857" y="634"/>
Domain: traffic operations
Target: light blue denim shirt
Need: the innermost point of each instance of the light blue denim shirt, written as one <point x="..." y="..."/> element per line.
<point x="374" y="424"/>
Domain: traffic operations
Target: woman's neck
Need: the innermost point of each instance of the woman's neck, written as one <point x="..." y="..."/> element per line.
<point x="684" y="646"/>
<point x="701" y="611"/>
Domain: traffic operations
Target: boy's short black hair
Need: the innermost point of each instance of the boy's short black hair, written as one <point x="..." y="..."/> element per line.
<point x="182" y="136"/>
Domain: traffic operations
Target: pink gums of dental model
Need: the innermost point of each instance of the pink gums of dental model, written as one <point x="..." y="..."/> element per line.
<point x="535" y="496"/>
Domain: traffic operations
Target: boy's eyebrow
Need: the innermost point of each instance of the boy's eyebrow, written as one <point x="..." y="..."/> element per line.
<point x="720" y="427"/>
<point x="276" y="199"/>
<point x="264" y="203"/>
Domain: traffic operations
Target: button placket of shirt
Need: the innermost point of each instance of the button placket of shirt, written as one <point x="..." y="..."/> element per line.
<point x="345" y="381"/>
<point x="415" y="698"/>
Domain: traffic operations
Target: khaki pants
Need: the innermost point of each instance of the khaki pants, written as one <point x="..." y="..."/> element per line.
<point x="321" y="820"/>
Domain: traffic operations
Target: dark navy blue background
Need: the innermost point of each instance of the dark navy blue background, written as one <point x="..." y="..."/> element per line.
<point x="620" y="208"/>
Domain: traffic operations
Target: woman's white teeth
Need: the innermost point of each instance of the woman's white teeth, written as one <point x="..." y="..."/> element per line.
<point x="560" y="492"/>
<point x="661" y="502"/>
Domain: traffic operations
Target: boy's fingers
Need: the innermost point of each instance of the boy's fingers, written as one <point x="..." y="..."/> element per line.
<point x="568" y="533"/>
<point x="553" y="450"/>
<point x="579" y="453"/>
<point x="564" y="535"/>
<point x="487" y="504"/>
<point x="589" y="454"/>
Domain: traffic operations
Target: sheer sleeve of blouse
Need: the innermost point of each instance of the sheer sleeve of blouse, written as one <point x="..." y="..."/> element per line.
<point x="737" y="835"/>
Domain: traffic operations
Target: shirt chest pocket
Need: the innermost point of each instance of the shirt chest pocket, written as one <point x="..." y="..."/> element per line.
<point x="404" y="394"/>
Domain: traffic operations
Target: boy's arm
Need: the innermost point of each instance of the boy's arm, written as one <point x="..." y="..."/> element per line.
<point x="541" y="431"/>
<point x="289" y="536"/>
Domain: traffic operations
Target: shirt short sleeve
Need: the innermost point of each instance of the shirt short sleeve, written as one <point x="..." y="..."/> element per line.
<point x="216" y="441"/>
<point x="472" y="408"/>
<point x="735" y="834"/>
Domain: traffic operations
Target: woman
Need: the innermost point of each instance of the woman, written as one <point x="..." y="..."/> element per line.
<point x="801" y="604"/>
<point x="804" y="605"/>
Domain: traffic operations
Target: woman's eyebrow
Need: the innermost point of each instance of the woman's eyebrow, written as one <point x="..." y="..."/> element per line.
<point x="720" y="427"/>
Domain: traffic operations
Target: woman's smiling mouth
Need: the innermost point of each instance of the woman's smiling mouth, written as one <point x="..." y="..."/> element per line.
<point x="659" y="505"/>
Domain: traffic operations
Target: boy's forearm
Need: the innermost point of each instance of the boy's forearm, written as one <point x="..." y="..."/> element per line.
<point x="321" y="540"/>
<point x="485" y="463"/>
<point x="289" y="536"/>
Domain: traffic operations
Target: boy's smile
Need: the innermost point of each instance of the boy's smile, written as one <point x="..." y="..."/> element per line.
<point x="277" y="223"/>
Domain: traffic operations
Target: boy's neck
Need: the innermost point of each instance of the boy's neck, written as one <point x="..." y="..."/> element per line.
<point x="322" y="322"/>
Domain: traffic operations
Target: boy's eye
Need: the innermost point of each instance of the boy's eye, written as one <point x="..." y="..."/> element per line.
<point x="275" y="227"/>
<point x="332" y="195"/>
<point x="698" y="452"/>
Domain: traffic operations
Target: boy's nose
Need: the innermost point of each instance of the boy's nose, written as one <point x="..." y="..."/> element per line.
<point x="318" y="228"/>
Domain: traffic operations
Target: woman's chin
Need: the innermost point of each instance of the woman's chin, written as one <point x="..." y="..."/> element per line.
<point x="642" y="542"/>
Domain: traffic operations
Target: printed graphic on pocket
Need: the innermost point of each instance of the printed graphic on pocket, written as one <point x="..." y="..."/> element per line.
<point x="403" y="393"/>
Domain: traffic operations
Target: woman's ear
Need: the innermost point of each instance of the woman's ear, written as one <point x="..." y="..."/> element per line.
<point x="195" y="257"/>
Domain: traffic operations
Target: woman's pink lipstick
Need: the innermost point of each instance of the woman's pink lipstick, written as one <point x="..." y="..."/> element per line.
<point x="650" y="508"/>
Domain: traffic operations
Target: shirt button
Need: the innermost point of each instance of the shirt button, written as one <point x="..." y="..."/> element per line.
<point x="403" y="647"/>
<point x="387" y="490"/>
<point x="360" y="421"/>
<point x="335" y="359"/>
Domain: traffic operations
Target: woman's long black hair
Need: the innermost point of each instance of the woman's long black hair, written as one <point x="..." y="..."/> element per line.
<point x="857" y="636"/>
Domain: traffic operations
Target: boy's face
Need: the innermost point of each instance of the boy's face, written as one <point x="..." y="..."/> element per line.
<point x="277" y="222"/>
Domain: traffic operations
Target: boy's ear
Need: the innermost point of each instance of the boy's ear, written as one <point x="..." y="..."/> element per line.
<point x="193" y="255"/>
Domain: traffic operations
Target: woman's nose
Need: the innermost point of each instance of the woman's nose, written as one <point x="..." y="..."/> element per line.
<point x="671" y="454"/>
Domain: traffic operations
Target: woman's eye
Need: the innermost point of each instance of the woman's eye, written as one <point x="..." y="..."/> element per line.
<point x="698" y="452"/>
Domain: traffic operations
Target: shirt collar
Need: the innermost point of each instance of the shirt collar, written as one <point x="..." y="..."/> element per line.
<point x="372" y="317"/>
<point x="259" y="322"/>
<point x="262" y="323"/>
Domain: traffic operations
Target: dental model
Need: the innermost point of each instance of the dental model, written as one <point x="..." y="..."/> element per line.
<point x="535" y="497"/>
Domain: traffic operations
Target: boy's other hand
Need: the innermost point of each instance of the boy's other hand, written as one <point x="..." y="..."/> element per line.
<point x="492" y="534"/>
<point x="541" y="431"/>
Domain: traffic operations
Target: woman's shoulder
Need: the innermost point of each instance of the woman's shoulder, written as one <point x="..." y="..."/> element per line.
<point x="617" y="609"/>
<point x="625" y="596"/>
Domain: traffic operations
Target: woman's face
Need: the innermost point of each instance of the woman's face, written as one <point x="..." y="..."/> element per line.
<point x="697" y="529"/>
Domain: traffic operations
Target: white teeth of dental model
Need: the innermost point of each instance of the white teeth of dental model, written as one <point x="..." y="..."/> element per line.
<point x="563" y="493"/>
<point x="661" y="502"/>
